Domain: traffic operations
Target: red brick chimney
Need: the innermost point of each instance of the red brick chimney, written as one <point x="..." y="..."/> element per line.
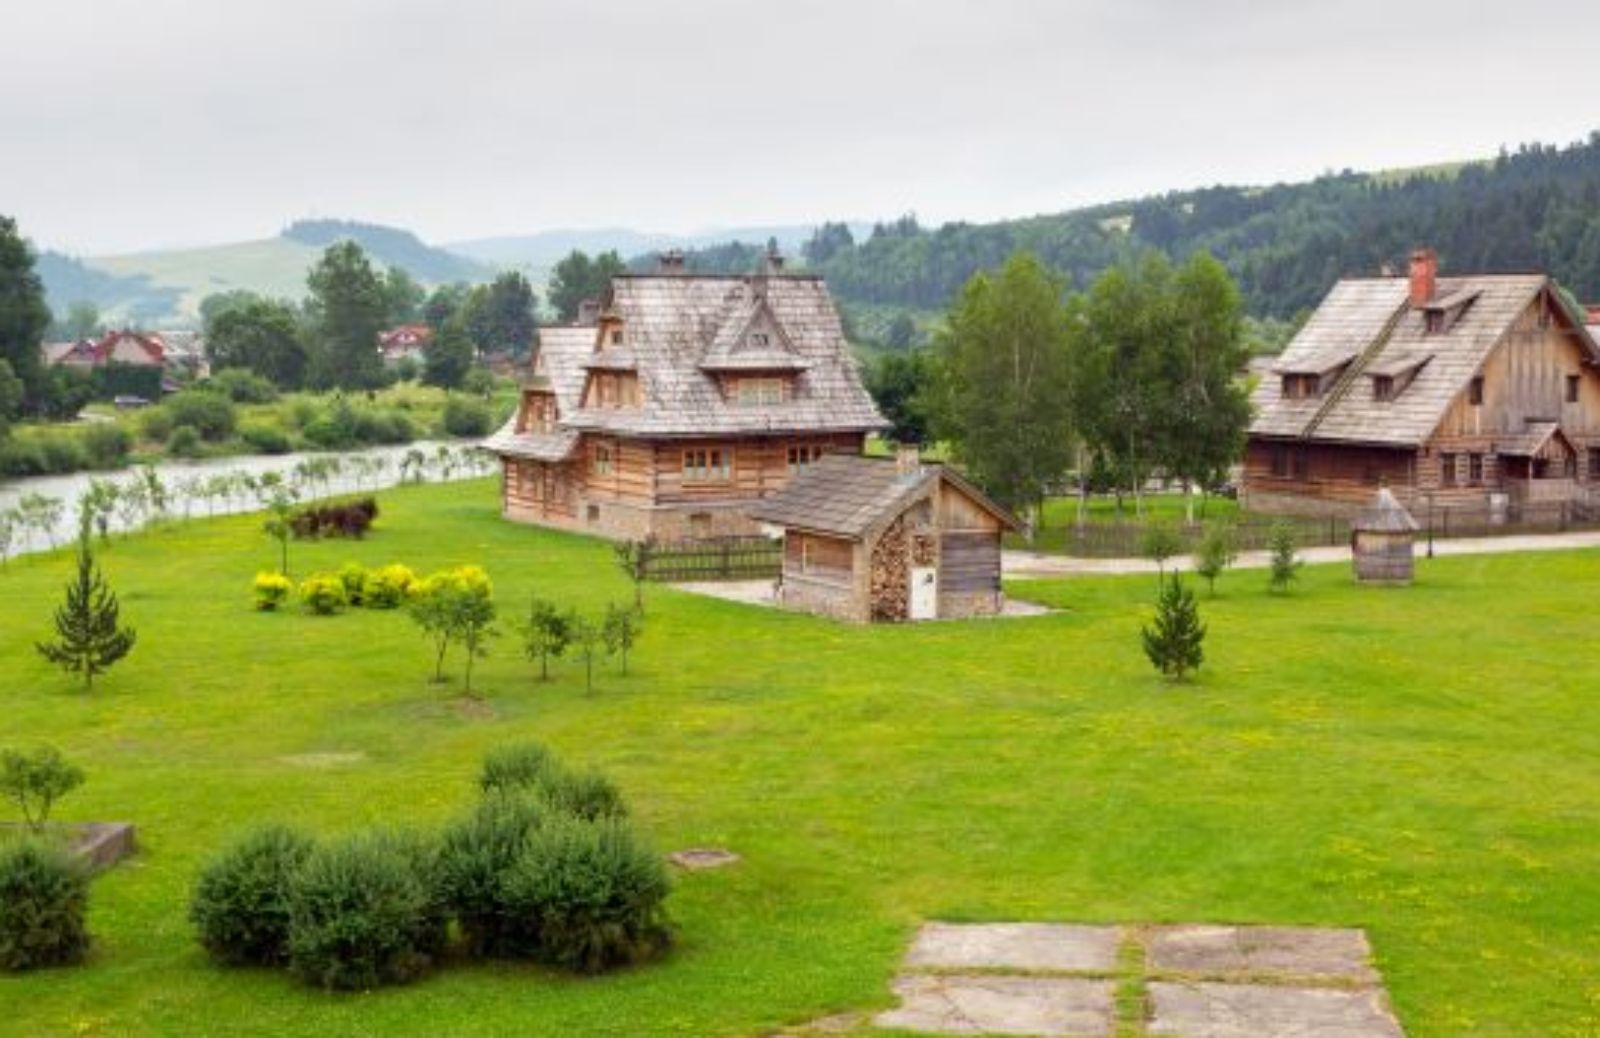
<point x="1424" y="275"/>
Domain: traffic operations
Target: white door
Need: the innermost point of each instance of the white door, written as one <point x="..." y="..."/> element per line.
<point x="924" y="593"/>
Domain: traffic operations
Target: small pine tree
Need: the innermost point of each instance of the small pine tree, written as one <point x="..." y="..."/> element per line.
<point x="1217" y="551"/>
<point x="1173" y="642"/>
<point x="1285" y="562"/>
<point x="89" y="638"/>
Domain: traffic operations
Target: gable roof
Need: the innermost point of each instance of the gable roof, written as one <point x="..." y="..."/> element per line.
<point x="846" y="495"/>
<point x="558" y="368"/>
<point x="1371" y="321"/>
<point x="674" y="325"/>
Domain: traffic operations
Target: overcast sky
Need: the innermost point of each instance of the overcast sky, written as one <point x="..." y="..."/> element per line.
<point x="129" y="125"/>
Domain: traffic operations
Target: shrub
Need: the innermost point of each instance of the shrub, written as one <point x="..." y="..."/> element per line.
<point x="156" y="424"/>
<point x="463" y="417"/>
<point x="243" y="386"/>
<point x="299" y="413"/>
<point x="382" y="427"/>
<point x="531" y="768"/>
<point x="335" y="519"/>
<point x="184" y="442"/>
<point x="323" y="594"/>
<point x="478" y="381"/>
<point x="241" y="903"/>
<point x="272" y="590"/>
<point x="386" y="587"/>
<point x="211" y="414"/>
<point x="1218" y="549"/>
<point x="265" y="439"/>
<point x="475" y="854"/>
<point x="353" y="576"/>
<point x="1159" y="542"/>
<point x="1285" y="561"/>
<point x="62" y="453"/>
<point x="106" y="444"/>
<point x="44" y="898"/>
<point x="364" y="912"/>
<point x="323" y="433"/>
<point x="22" y="457"/>
<point x="589" y="894"/>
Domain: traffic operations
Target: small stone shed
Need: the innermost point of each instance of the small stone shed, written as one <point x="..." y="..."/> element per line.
<point x="1382" y="541"/>
<point x="868" y="539"/>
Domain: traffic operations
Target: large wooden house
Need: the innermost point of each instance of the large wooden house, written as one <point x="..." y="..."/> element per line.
<point x="1479" y="392"/>
<point x="687" y="398"/>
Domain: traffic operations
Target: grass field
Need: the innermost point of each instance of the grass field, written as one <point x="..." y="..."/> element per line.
<point x="1424" y="763"/>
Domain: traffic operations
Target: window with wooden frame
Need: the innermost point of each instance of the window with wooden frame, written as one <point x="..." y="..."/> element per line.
<point x="1447" y="470"/>
<point x="1280" y="462"/>
<point x="755" y="391"/>
<point x="1299" y="387"/>
<point x="1475" y="391"/>
<point x="1300" y="462"/>
<point x="615" y="338"/>
<point x="825" y="557"/>
<point x="1383" y="387"/>
<point x="1475" y="469"/>
<point x="707" y="465"/>
<point x="600" y="462"/>
<point x="760" y="339"/>
<point x="804" y="454"/>
<point x="1574" y="384"/>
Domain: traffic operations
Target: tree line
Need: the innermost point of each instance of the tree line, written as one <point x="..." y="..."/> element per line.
<point x="1029" y="381"/>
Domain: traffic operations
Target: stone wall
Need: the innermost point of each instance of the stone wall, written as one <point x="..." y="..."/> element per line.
<point x="825" y="598"/>
<point x="962" y="605"/>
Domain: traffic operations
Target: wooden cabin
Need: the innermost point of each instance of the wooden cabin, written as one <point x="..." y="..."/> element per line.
<point x="1476" y="392"/>
<point x="685" y="399"/>
<point x="870" y="539"/>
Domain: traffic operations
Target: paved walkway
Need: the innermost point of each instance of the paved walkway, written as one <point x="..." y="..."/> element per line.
<point x="1027" y="565"/>
<point x="1068" y="981"/>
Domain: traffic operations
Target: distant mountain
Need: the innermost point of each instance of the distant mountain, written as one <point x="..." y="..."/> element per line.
<point x="165" y="287"/>
<point x="543" y="250"/>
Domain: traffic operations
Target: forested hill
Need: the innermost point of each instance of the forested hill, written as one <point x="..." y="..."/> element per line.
<point x="392" y="246"/>
<point x="1534" y="209"/>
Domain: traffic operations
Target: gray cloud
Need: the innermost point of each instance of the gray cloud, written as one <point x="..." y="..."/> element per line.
<point x="127" y="125"/>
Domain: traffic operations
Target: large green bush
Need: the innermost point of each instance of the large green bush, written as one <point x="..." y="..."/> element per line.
<point x="265" y="439"/>
<point x="243" y="386"/>
<point x="464" y="417"/>
<point x="106" y="444"/>
<point x="241" y="904"/>
<point x="589" y="894"/>
<point x="184" y="442"/>
<point x="530" y="768"/>
<point x="44" y="898"/>
<point x="364" y="912"/>
<point x="212" y="415"/>
<point x="475" y="854"/>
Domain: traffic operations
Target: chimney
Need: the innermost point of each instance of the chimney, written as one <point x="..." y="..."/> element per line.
<point x="671" y="261"/>
<point x="907" y="459"/>
<point x="589" y="312"/>
<point x="773" y="262"/>
<point x="1424" y="276"/>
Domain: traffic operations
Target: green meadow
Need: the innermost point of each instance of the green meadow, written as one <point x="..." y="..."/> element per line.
<point x="1424" y="763"/>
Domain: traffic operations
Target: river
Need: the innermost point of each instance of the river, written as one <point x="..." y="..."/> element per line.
<point x="220" y="486"/>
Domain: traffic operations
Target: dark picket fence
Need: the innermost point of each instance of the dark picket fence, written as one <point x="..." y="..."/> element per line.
<point x="1101" y="540"/>
<point x="712" y="558"/>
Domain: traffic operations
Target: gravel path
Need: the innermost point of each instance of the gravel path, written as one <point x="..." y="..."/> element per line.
<point x="1027" y="565"/>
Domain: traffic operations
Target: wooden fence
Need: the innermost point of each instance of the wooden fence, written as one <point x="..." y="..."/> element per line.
<point x="714" y="558"/>
<point x="1101" y="540"/>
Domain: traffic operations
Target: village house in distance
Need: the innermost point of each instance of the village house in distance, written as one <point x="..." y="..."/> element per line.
<point x="679" y="400"/>
<point x="1477" y="392"/>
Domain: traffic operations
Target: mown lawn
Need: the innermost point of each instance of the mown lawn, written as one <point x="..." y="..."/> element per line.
<point x="1424" y="763"/>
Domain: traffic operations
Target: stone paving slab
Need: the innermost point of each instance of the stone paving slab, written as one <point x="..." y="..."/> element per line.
<point x="1040" y="947"/>
<point x="1268" y="1011"/>
<point x="1057" y="1007"/>
<point x="1254" y="950"/>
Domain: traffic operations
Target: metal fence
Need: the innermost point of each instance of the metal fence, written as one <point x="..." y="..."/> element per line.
<point x="1102" y="540"/>
<point x="713" y="558"/>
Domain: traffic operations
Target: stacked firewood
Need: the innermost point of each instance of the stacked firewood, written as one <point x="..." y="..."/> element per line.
<point x="891" y="574"/>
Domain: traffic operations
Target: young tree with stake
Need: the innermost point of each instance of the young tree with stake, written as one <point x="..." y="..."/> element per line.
<point x="621" y="632"/>
<point x="546" y="634"/>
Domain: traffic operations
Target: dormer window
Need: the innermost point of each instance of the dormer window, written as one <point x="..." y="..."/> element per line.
<point x="615" y="337"/>
<point x="757" y="391"/>
<point x="760" y="339"/>
<point x="1300" y="386"/>
<point x="1383" y="387"/>
<point x="1434" y="320"/>
<point x="1475" y="391"/>
<point x="1574" y="383"/>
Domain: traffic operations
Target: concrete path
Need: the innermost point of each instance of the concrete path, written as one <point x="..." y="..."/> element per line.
<point x="1065" y="981"/>
<point x="1027" y="565"/>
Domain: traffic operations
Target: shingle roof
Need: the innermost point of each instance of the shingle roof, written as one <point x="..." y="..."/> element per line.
<point x="674" y="323"/>
<point x="559" y="359"/>
<point x="1530" y="442"/>
<point x="1385" y="515"/>
<point x="847" y="495"/>
<point x="1372" y="319"/>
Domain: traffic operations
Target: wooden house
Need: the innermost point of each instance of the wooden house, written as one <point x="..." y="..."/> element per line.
<point x="135" y="349"/>
<point x="871" y="539"/>
<point x="403" y="343"/>
<point x="687" y="399"/>
<point x="1478" y="392"/>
